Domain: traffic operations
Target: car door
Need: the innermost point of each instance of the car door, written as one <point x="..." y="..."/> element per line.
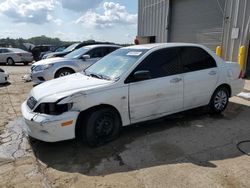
<point x="3" y="55"/>
<point x="200" y="76"/>
<point x="161" y="94"/>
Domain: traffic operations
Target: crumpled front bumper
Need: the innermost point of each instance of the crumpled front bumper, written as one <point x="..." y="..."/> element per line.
<point x="49" y="128"/>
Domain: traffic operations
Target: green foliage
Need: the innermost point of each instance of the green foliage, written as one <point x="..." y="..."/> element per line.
<point x="41" y="40"/>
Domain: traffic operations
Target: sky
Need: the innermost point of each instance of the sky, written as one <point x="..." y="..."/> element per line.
<point x="70" y="20"/>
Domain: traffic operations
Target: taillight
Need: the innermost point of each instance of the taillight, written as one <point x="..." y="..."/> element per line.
<point x="241" y="74"/>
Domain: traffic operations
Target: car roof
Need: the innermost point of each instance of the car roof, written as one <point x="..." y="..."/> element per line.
<point x="162" y="45"/>
<point x="102" y="45"/>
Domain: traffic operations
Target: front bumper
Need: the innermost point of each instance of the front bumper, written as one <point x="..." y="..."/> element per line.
<point x="5" y="76"/>
<point x="42" y="76"/>
<point x="49" y="128"/>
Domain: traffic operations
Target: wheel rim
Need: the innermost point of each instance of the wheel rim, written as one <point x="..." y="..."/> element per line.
<point x="220" y="100"/>
<point x="10" y="61"/>
<point x="64" y="74"/>
<point x="104" y="126"/>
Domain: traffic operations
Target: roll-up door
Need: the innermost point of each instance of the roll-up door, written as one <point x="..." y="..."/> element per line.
<point x="197" y="21"/>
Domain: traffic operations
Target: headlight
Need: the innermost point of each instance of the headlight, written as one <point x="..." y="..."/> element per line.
<point x="42" y="67"/>
<point x="53" y="108"/>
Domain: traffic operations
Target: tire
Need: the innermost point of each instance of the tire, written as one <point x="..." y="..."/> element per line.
<point x="64" y="72"/>
<point x="219" y="100"/>
<point x="102" y="126"/>
<point x="10" y="61"/>
<point x="26" y="63"/>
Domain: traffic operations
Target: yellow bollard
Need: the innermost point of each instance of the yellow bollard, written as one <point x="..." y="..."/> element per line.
<point x="218" y="51"/>
<point x="242" y="57"/>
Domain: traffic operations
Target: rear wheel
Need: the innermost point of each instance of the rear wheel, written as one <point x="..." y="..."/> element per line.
<point x="102" y="126"/>
<point x="10" y="61"/>
<point x="64" y="72"/>
<point x="219" y="100"/>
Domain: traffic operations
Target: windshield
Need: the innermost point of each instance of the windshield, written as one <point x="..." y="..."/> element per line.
<point x="71" y="47"/>
<point x="112" y="66"/>
<point x="77" y="53"/>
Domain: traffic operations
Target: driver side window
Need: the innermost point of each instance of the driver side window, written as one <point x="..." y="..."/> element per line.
<point x="161" y="63"/>
<point x="96" y="53"/>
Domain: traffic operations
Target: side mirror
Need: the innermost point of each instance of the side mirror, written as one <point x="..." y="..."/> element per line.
<point x="141" y="75"/>
<point x="85" y="57"/>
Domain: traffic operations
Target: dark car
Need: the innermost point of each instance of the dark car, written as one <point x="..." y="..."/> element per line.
<point x="71" y="48"/>
<point x="38" y="50"/>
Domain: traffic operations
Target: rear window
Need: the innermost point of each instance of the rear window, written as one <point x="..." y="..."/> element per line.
<point x="195" y="58"/>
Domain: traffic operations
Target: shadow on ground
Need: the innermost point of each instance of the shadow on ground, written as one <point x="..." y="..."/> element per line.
<point x="193" y="137"/>
<point x="5" y="84"/>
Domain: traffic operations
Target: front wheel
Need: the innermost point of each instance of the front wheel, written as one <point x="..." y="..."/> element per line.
<point x="219" y="100"/>
<point x="64" y="72"/>
<point x="102" y="126"/>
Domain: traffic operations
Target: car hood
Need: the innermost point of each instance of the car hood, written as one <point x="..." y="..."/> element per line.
<point x="56" y="89"/>
<point x="52" y="60"/>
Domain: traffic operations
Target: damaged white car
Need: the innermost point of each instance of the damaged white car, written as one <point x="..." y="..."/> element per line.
<point x="131" y="85"/>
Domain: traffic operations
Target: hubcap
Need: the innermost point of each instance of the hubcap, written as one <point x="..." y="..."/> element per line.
<point x="64" y="74"/>
<point x="104" y="126"/>
<point x="10" y="62"/>
<point x="220" y="100"/>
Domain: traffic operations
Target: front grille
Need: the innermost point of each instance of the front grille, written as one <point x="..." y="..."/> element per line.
<point x="31" y="102"/>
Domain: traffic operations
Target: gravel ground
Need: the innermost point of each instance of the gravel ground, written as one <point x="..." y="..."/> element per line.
<point x="191" y="149"/>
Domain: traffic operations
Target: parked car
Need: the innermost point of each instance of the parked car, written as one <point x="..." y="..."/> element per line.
<point x="40" y="50"/>
<point x="58" y="49"/>
<point x="10" y="56"/>
<point x="75" y="61"/>
<point x="71" y="48"/>
<point x="3" y="76"/>
<point x="131" y="85"/>
<point x="63" y="52"/>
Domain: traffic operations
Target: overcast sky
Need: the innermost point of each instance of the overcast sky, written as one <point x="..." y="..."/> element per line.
<point x="77" y="20"/>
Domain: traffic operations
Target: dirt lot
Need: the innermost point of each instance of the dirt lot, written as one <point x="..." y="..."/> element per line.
<point x="191" y="149"/>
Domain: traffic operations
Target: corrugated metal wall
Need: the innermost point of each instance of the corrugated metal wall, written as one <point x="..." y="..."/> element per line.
<point x="152" y="19"/>
<point x="219" y="17"/>
<point x="237" y="15"/>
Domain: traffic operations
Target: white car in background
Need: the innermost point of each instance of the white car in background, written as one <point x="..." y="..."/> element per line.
<point x="73" y="62"/>
<point x="10" y="56"/>
<point x="3" y="76"/>
<point x="131" y="85"/>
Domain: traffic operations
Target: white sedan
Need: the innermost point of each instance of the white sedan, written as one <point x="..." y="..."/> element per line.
<point x="3" y="76"/>
<point x="11" y="56"/>
<point x="131" y="85"/>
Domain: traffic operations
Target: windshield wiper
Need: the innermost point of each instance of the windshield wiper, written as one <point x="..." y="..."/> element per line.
<point x="99" y="76"/>
<point x="93" y="75"/>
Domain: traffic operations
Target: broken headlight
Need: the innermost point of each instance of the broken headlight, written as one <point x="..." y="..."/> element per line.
<point x="53" y="108"/>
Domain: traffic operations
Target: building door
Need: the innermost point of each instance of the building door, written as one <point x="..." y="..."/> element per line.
<point x="197" y="21"/>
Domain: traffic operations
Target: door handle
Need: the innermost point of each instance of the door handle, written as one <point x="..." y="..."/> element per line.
<point x="175" y="80"/>
<point x="212" y="73"/>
